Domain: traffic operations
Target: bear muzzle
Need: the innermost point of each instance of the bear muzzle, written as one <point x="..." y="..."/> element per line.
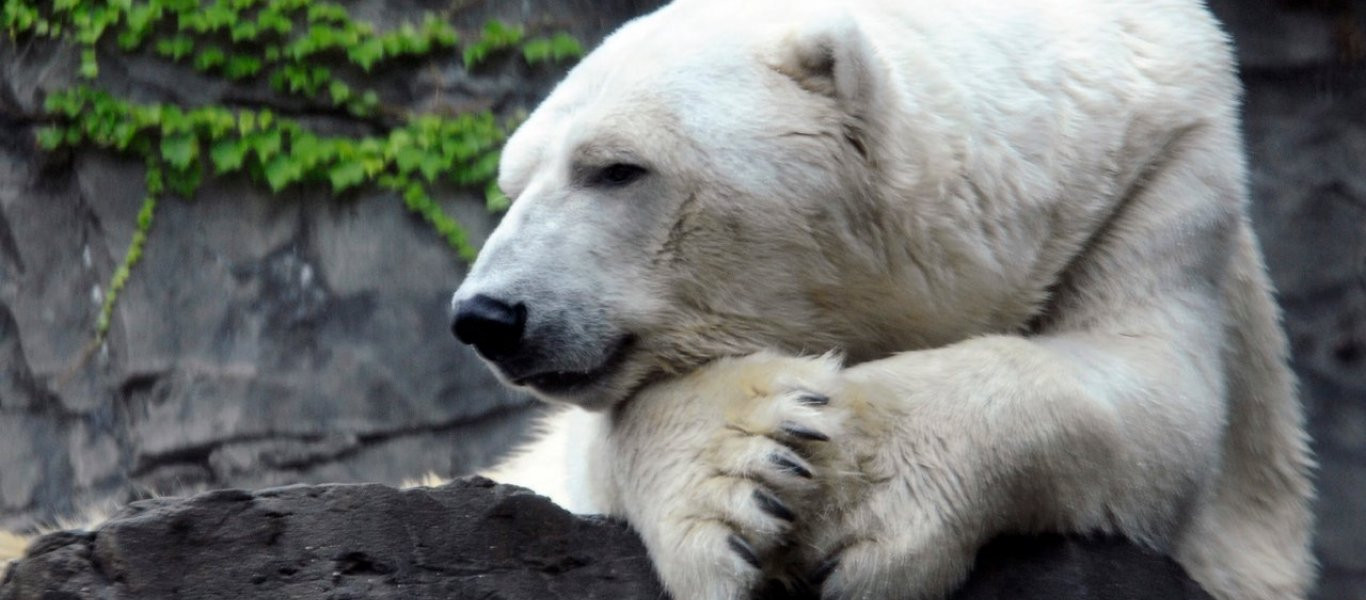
<point x="545" y="358"/>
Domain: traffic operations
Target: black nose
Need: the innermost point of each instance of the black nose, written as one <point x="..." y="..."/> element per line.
<point x="492" y="326"/>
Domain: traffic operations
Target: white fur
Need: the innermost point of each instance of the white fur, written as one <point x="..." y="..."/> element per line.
<point x="12" y="547"/>
<point x="1024" y="224"/>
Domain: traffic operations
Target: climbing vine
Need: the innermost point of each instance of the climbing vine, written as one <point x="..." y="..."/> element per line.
<point x="289" y="43"/>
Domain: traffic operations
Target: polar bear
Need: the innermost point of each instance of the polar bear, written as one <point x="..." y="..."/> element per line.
<point x="843" y="289"/>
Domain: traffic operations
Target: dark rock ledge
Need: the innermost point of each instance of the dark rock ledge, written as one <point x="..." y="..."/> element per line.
<point x="469" y="539"/>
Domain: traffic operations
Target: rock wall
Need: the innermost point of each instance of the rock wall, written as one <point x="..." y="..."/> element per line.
<point x="271" y="340"/>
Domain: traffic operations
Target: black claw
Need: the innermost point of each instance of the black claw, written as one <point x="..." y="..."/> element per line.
<point x="814" y="399"/>
<point x="773" y="506"/>
<point x="790" y="466"/>
<point x="746" y="551"/>
<point x="798" y="431"/>
<point x="824" y="570"/>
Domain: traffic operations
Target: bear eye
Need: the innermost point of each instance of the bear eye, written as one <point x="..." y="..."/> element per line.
<point x="618" y="174"/>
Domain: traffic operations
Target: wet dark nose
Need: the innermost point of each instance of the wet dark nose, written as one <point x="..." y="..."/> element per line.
<point x="492" y="326"/>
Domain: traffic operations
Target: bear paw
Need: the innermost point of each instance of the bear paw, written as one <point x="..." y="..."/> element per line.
<point x="753" y="480"/>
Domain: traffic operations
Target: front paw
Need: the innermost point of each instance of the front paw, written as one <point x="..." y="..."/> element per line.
<point x="751" y="474"/>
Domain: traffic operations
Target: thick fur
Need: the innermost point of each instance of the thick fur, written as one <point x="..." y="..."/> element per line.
<point x="12" y="547"/>
<point x="1023" y="224"/>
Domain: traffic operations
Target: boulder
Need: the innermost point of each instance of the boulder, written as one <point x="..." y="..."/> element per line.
<point x="468" y="539"/>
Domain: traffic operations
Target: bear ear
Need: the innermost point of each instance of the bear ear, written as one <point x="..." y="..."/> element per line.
<point x="829" y="55"/>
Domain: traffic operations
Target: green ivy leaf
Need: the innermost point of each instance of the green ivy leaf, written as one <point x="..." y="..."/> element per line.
<point x="557" y="48"/>
<point x="536" y="51"/>
<point x="484" y="169"/>
<point x="209" y="58"/>
<point x="502" y="34"/>
<point x="440" y="31"/>
<point x="346" y="174"/>
<point x="195" y="21"/>
<point x="50" y="137"/>
<point x="273" y="20"/>
<point x="65" y="104"/>
<point x="431" y="165"/>
<point x="129" y="40"/>
<point x="179" y="150"/>
<point x="266" y="143"/>
<point x="326" y="11"/>
<point x="474" y="55"/>
<point x="173" y="120"/>
<point x="408" y="158"/>
<point x="218" y="16"/>
<point x="123" y="135"/>
<point x="564" y="47"/>
<point x="139" y="19"/>
<point x="244" y="31"/>
<point x="175" y="47"/>
<point x="281" y="171"/>
<point x="366" y="54"/>
<point x="89" y="67"/>
<point x="246" y="122"/>
<point x="496" y="36"/>
<point x="228" y="154"/>
<point x="317" y="76"/>
<point x="240" y="66"/>
<point x="340" y="92"/>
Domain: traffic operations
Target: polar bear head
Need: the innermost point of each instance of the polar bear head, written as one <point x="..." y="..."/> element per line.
<point x="701" y="186"/>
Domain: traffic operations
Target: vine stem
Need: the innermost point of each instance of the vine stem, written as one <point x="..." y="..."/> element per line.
<point x="134" y="253"/>
<point x="131" y="258"/>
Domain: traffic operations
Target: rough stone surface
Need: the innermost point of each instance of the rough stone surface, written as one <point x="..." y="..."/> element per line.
<point x="268" y="341"/>
<point x="468" y="539"/>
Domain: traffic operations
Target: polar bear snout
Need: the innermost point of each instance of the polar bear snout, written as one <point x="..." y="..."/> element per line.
<point x="492" y="326"/>
<point x="561" y="348"/>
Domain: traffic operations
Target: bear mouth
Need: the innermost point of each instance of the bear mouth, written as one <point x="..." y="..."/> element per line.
<point x="557" y="383"/>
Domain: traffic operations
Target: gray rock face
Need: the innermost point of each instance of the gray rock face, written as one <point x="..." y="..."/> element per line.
<point x="469" y="539"/>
